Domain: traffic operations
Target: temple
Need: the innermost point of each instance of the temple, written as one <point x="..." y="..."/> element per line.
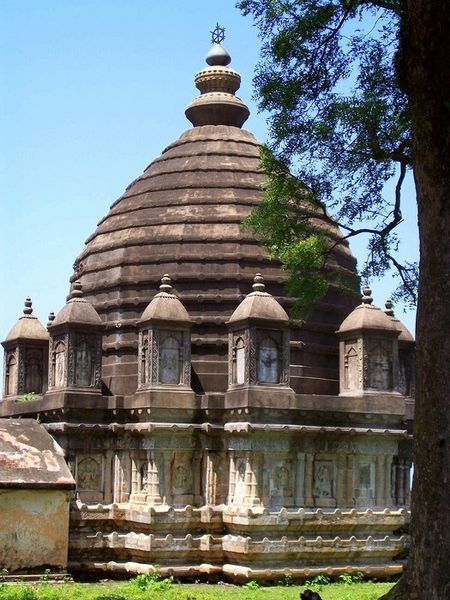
<point x="207" y="431"/>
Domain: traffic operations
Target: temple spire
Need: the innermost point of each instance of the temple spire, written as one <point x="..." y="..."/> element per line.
<point x="217" y="103"/>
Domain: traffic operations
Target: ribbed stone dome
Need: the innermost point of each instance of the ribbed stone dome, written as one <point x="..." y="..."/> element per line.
<point x="183" y="216"/>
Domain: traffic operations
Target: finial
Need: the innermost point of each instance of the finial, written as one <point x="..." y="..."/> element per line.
<point x="367" y="295"/>
<point x="258" y="285"/>
<point x="217" y="34"/>
<point x="389" y="309"/>
<point x="77" y="291"/>
<point x="166" y="284"/>
<point x="51" y="318"/>
<point x="27" y="310"/>
<point x="218" y="56"/>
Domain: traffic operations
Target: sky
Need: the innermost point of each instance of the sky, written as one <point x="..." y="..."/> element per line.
<point x="92" y="92"/>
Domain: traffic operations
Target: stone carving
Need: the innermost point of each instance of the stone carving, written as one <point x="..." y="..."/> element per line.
<point x="89" y="475"/>
<point x="143" y="477"/>
<point x="21" y="374"/>
<point x="10" y="374"/>
<point x="268" y="361"/>
<point x="364" y="478"/>
<point x="379" y="365"/>
<point x="154" y="344"/>
<point x="34" y="370"/>
<point x="283" y="480"/>
<point x="252" y="356"/>
<point x="239" y="361"/>
<point x="143" y="359"/>
<point x="351" y="366"/>
<point x="323" y="479"/>
<point x="182" y="478"/>
<point x="58" y="365"/>
<point x="169" y="365"/>
<point x="84" y="361"/>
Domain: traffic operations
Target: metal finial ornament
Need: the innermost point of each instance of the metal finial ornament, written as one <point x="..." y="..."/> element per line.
<point x="217" y="34"/>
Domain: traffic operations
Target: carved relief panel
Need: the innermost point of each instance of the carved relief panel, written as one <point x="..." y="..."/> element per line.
<point x="34" y="370"/>
<point x="86" y="360"/>
<point x="164" y="357"/>
<point x="364" y="480"/>
<point x="324" y="482"/>
<point x="90" y="477"/>
<point x="10" y="374"/>
<point x="352" y="363"/>
<point x="378" y="356"/>
<point x="281" y="482"/>
<point x="238" y="357"/>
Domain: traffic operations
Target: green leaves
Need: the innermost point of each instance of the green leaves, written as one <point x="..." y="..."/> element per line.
<point x="340" y="122"/>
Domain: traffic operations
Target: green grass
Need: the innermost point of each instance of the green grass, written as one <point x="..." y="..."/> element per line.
<point x="157" y="589"/>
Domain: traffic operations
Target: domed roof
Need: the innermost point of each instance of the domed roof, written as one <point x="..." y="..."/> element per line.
<point x="28" y="327"/>
<point x="259" y="305"/>
<point x="165" y="306"/>
<point x="77" y="311"/>
<point x="183" y="216"/>
<point x="405" y="334"/>
<point x="367" y="317"/>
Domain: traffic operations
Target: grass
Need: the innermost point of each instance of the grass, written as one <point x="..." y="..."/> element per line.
<point x="152" y="587"/>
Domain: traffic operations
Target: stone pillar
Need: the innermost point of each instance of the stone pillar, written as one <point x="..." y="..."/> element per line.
<point x="251" y="480"/>
<point x="340" y="483"/>
<point x="153" y="486"/>
<point x="232" y="482"/>
<point x="407" y="483"/>
<point x="387" y="481"/>
<point x="134" y="475"/>
<point x="108" y="481"/>
<point x="349" y="481"/>
<point x="300" y="480"/>
<point x="379" y="481"/>
<point x="265" y="479"/>
<point x="196" y="479"/>
<point x="402" y="484"/>
<point x="309" y="500"/>
<point x="401" y="481"/>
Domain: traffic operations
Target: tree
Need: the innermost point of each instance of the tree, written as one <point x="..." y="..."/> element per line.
<point x="394" y="56"/>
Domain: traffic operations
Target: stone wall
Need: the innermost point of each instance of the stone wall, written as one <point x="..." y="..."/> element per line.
<point x="34" y="529"/>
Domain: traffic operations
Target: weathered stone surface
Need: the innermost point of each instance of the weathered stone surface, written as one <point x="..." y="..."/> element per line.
<point x="242" y="463"/>
<point x="35" y="486"/>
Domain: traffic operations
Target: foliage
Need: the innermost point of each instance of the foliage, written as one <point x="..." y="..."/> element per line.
<point x="128" y="590"/>
<point x="348" y="579"/>
<point x="340" y="121"/>
<point x="251" y="585"/>
<point x="28" y="397"/>
<point x="297" y="231"/>
<point x="153" y="581"/>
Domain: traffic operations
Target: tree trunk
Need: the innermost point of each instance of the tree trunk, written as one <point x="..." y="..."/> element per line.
<point x="426" y="71"/>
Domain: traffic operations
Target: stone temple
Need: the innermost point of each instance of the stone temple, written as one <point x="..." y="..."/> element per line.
<point x="206" y="431"/>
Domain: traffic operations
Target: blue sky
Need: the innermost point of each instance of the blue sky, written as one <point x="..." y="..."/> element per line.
<point x="92" y="92"/>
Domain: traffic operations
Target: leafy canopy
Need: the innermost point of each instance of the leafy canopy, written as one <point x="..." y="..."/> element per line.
<point x="340" y="122"/>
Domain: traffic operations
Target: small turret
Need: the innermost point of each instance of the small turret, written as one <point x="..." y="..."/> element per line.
<point x="26" y="355"/>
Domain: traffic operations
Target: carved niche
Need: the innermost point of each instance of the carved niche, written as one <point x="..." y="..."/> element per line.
<point x="324" y="480"/>
<point x="364" y="480"/>
<point x="164" y="357"/>
<point x="378" y="357"/>
<point x="10" y="370"/>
